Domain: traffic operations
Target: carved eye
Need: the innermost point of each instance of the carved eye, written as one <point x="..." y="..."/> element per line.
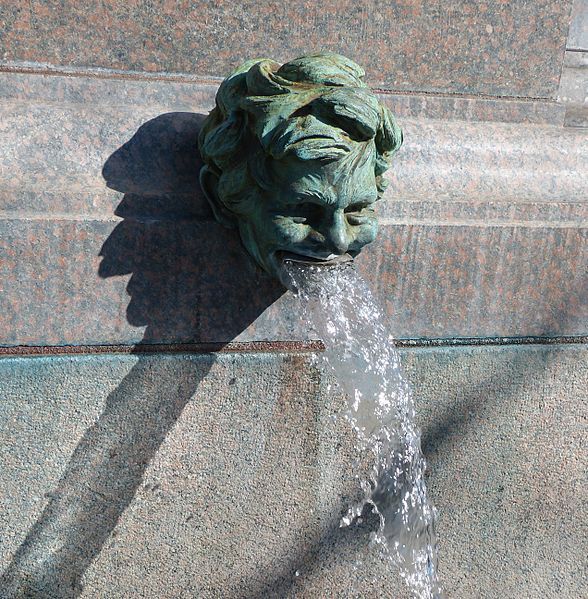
<point x="302" y="213"/>
<point x="359" y="213"/>
<point x="306" y="212"/>
<point x="357" y="207"/>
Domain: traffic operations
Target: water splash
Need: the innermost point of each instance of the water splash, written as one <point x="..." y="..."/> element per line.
<point x="337" y="303"/>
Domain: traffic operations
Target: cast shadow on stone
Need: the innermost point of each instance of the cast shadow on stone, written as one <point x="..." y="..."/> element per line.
<point x="190" y="282"/>
<point x="469" y="404"/>
<point x="321" y="559"/>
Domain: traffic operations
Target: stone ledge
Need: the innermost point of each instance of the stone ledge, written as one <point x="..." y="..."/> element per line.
<point x="33" y="82"/>
<point x="84" y="282"/>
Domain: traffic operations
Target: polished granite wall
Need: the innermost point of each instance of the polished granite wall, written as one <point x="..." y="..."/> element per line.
<point x="107" y="239"/>
<point x="497" y="48"/>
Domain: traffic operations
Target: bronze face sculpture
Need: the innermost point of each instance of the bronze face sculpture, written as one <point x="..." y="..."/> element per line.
<point x="294" y="157"/>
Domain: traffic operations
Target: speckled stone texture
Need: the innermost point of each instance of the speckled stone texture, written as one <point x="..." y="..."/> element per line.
<point x="225" y="476"/>
<point x="127" y="476"/>
<point x="498" y="48"/>
<point x="106" y="237"/>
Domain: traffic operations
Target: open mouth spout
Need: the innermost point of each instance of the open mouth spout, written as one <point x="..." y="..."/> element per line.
<point x="330" y="260"/>
<point x="289" y="260"/>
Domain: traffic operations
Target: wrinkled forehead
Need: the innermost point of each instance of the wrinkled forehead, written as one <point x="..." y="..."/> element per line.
<point x="340" y="183"/>
<point x="354" y="110"/>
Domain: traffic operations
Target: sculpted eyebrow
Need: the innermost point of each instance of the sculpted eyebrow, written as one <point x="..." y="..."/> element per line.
<point x="359" y="205"/>
<point x="311" y="198"/>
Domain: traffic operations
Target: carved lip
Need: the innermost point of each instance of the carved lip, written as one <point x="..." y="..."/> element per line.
<point x="320" y="141"/>
<point x="331" y="260"/>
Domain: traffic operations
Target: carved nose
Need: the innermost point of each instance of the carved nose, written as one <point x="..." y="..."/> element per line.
<point x="337" y="236"/>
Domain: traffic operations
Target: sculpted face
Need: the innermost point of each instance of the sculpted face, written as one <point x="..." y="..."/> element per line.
<point x="299" y="167"/>
<point x="317" y="215"/>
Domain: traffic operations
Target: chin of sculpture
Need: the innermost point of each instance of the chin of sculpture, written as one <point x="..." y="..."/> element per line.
<point x="294" y="157"/>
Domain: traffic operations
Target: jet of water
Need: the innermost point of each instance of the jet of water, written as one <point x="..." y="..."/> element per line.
<point x="338" y="304"/>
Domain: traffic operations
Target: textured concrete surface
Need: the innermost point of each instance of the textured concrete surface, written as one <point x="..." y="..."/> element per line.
<point x="225" y="476"/>
<point x="483" y="227"/>
<point x="499" y="48"/>
<point x="578" y="33"/>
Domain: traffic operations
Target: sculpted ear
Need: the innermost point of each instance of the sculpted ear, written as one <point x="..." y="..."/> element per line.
<point x="209" y="183"/>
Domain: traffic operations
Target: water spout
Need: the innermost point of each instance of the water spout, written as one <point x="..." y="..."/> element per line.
<point x="337" y="303"/>
<point x="288" y="260"/>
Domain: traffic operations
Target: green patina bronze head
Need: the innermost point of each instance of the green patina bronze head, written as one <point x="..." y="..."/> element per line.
<point x="294" y="157"/>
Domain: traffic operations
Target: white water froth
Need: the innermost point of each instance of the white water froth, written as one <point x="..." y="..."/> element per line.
<point x="339" y="306"/>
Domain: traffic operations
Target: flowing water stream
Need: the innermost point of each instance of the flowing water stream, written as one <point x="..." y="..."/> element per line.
<point x="338" y="305"/>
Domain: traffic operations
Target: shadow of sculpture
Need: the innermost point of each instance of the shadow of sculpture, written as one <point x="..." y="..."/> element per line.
<point x="495" y="392"/>
<point x="190" y="282"/>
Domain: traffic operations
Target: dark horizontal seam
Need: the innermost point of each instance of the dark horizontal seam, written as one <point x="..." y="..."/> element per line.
<point x="274" y="346"/>
<point x="165" y="348"/>
<point x="489" y="341"/>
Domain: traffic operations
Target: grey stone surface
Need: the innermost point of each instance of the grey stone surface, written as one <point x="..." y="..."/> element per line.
<point x="576" y="116"/>
<point x="573" y="85"/>
<point x="73" y="85"/>
<point x="573" y="89"/>
<point x="224" y="476"/>
<point x="58" y="132"/>
<point x="578" y="33"/>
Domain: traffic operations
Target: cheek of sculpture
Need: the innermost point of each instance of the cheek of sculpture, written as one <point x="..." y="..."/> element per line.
<point x="264" y="234"/>
<point x="364" y="233"/>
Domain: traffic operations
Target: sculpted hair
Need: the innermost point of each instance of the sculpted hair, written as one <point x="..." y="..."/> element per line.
<point x="258" y="107"/>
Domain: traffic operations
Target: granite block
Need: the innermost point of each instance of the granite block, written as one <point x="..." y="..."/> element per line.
<point x="573" y="85"/>
<point x="71" y="85"/>
<point x="481" y="281"/>
<point x="106" y="237"/>
<point x="500" y="48"/>
<point x="81" y="149"/>
<point x="573" y="89"/>
<point x="84" y="282"/>
<point x="480" y="109"/>
<point x="576" y="116"/>
<point x="225" y="476"/>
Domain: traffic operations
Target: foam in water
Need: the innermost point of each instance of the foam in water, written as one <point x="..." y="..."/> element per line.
<point x="337" y="303"/>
